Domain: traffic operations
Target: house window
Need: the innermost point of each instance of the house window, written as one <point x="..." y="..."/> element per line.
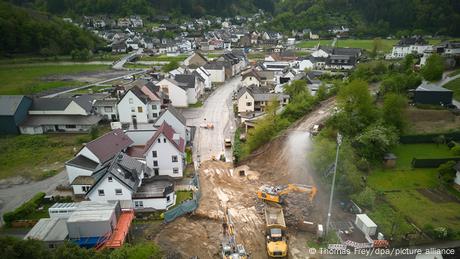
<point x="175" y="170"/>
<point x="138" y="204"/>
<point x="139" y="109"/>
<point x="85" y="189"/>
<point x="154" y="106"/>
<point x="168" y="198"/>
<point x="174" y="158"/>
<point x="156" y="171"/>
<point x="154" y="153"/>
<point x="101" y="192"/>
<point x="130" y="100"/>
<point x="159" y="140"/>
<point x="248" y="104"/>
<point x="70" y="126"/>
<point x="154" y="115"/>
<point x="108" y="109"/>
<point x="110" y="179"/>
<point x="155" y="163"/>
<point x="118" y="192"/>
<point x="133" y="109"/>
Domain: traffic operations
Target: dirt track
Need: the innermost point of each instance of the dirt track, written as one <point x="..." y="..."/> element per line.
<point x="281" y="161"/>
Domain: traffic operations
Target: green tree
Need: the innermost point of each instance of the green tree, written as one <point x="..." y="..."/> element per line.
<point x="321" y="94"/>
<point x="170" y="66"/>
<point x="295" y="88"/>
<point x="433" y="69"/>
<point x="366" y="198"/>
<point x="356" y="107"/>
<point x="446" y="172"/>
<point x="375" y="141"/>
<point x="377" y="46"/>
<point x="393" y="110"/>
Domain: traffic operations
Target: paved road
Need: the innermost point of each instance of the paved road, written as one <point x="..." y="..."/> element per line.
<point x="14" y="196"/>
<point x="120" y="63"/>
<point x="218" y="110"/>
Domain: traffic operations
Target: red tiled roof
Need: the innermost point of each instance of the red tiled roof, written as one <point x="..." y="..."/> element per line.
<point x="168" y="132"/>
<point x="108" y="145"/>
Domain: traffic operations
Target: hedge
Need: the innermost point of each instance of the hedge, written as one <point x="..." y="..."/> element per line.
<point x="429" y="138"/>
<point x="25" y="209"/>
<point x="432" y="162"/>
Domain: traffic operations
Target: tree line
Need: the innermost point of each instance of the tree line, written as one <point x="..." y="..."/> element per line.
<point x="33" y="32"/>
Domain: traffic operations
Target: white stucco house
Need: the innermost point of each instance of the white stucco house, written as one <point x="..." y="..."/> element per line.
<point x="140" y="105"/>
<point x="107" y="108"/>
<point x="165" y="152"/>
<point x="127" y="180"/>
<point x="92" y="156"/>
<point x="254" y="99"/>
<point x="205" y="75"/>
<point x="216" y="70"/>
<point x="176" y="120"/>
<point x="183" y="90"/>
<point x="409" y="45"/>
<point x="251" y="77"/>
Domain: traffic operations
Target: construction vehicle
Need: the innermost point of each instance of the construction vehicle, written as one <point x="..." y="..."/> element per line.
<point x="230" y="248"/>
<point x="277" y="245"/>
<point x="228" y="143"/>
<point x="277" y="193"/>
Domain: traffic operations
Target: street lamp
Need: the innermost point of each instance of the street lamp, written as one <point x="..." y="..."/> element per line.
<point x="339" y="141"/>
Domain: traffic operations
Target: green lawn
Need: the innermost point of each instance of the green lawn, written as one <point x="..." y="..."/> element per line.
<point x="196" y="105"/>
<point x="135" y="65"/>
<point x="165" y="58"/>
<point x="422" y="211"/>
<point x="388" y="180"/>
<point x="405" y="153"/>
<point x="39" y="156"/>
<point x="366" y="44"/>
<point x="454" y="73"/>
<point x="29" y="78"/>
<point x="182" y="196"/>
<point x="400" y="187"/>
<point x="454" y="85"/>
<point x="26" y="59"/>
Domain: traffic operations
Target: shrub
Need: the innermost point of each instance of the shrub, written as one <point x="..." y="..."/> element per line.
<point x="366" y="198"/>
<point x="25" y="209"/>
<point x="456" y="150"/>
<point x="446" y="172"/>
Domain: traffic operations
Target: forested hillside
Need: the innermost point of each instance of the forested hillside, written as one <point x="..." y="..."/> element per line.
<point x="30" y="32"/>
<point x="195" y="8"/>
<point x="370" y="17"/>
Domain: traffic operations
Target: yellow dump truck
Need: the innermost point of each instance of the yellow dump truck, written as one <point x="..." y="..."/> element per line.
<point x="276" y="232"/>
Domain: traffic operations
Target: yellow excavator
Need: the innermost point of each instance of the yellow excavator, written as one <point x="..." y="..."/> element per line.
<point x="230" y="248"/>
<point x="277" y="193"/>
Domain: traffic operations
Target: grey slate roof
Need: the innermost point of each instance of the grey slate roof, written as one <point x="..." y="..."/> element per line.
<point x="82" y="162"/>
<point x="260" y="94"/>
<point x="50" y="104"/>
<point x="215" y="65"/>
<point x="177" y="114"/>
<point x="106" y="102"/>
<point x="426" y="86"/>
<point x="153" y="188"/>
<point x="9" y="104"/>
<point x="185" y="81"/>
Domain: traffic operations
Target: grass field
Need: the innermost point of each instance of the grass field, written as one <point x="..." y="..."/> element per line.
<point x="350" y="43"/>
<point x="29" y="78"/>
<point x="454" y="85"/>
<point x="164" y="58"/>
<point x="39" y="156"/>
<point x="135" y="65"/>
<point x="41" y="59"/>
<point x="402" y="198"/>
<point x="182" y="196"/>
<point x="430" y="121"/>
<point x="423" y="211"/>
<point x="366" y="44"/>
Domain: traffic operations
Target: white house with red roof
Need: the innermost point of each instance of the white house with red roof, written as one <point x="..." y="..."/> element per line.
<point x="92" y="156"/>
<point x="165" y="152"/>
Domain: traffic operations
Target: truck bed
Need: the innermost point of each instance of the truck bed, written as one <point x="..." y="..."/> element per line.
<point x="274" y="217"/>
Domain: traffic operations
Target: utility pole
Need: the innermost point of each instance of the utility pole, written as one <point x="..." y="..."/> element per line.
<point x="339" y="141"/>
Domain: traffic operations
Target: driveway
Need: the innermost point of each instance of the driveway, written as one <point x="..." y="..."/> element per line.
<point x="15" y="195"/>
<point x="218" y="110"/>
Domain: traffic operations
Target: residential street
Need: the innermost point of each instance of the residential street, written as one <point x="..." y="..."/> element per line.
<point x="15" y="195"/>
<point x="218" y="110"/>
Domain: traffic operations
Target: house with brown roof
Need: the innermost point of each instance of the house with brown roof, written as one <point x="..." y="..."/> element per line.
<point x="92" y="156"/>
<point x="251" y="77"/>
<point x="195" y="60"/>
<point x="165" y="152"/>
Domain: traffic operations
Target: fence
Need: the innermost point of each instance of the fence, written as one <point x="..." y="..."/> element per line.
<point x="432" y="162"/>
<point x="429" y="138"/>
<point x="187" y="206"/>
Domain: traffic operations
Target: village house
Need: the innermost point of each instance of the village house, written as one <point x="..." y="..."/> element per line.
<point x="195" y="60"/>
<point x="165" y="152"/>
<point x="124" y="179"/>
<point x="216" y="70"/>
<point x="251" y="77"/>
<point x="183" y="89"/>
<point x="409" y="45"/>
<point x="60" y="114"/>
<point x="254" y="99"/>
<point x="107" y="108"/>
<point x="141" y="104"/>
<point x="13" y="112"/>
<point x="93" y="155"/>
